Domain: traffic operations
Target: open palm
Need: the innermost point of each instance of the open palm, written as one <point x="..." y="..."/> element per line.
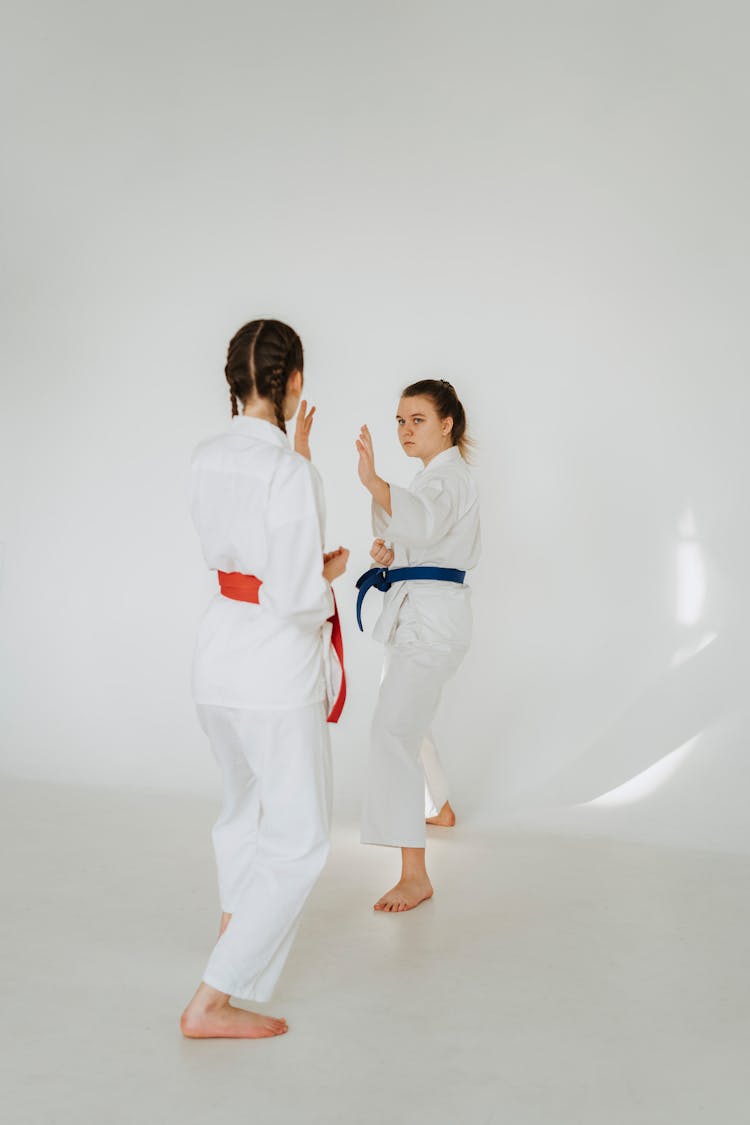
<point x="366" y="466"/>
<point x="302" y="429"/>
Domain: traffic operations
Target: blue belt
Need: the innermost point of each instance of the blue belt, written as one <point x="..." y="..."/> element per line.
<point x="382" y="579"/>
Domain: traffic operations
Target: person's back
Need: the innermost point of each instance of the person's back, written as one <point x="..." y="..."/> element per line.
<point x="258" y="677"/>
<point x="258" y="508"/>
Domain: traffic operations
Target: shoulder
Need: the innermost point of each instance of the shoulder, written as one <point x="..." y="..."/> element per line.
<point x="452" y="476"/>
<point x="450" y="483"/>
<point x="296" y="488"/>
<point x="293" y="467"/>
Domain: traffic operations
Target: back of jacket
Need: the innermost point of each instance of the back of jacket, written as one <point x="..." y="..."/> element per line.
<point x="258" y="508"/>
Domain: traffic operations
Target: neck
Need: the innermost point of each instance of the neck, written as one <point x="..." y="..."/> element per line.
<point x="432" y="456"/>
<point x="260" y="408"/>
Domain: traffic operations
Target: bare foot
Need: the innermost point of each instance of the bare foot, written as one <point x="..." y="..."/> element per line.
<point x="407" y="894"/>
<point x="225" y="920"/>
<point x="446" y="818"/>
<point x="209" y="1015"/>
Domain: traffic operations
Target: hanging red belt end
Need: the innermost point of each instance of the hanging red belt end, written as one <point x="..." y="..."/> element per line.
<point x="337" y="644"/>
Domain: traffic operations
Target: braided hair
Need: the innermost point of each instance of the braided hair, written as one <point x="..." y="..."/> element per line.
<point x="260" y="359"/>
<point x="443" y="397"/>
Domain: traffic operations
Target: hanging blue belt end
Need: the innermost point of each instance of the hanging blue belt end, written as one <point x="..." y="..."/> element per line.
<point x="382" y="579"/>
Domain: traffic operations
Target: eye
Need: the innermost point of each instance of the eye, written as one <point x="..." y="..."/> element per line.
<point x="399" y="421"/>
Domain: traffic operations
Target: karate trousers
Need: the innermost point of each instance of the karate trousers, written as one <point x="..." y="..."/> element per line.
<point x="405" y="777"/>
<point x="271" y="839"/>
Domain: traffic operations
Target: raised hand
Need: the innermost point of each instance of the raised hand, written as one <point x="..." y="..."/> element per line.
<point x="382" y="555"/>
<point x="334" y="563"/>
<point x="366" y="466"/>
<point x="378" y="488"/>
<point x="302" y="429"/>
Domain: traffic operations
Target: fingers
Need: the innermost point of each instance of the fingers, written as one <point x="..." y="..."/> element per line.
<point x="340" y="552"/>
<point x="366" y="439"/>
<point x="305" y="417"/>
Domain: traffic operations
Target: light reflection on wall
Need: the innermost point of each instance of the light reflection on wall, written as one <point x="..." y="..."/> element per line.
<point x="690" y="599"/>
<point x="691" y="573"/>
<point x="690" y="588"/>
<point x="647" y="781"/>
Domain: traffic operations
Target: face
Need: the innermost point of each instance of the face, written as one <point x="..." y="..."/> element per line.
<point x="421" y="431"/>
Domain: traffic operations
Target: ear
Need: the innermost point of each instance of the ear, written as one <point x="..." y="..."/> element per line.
<point x="447" y="426"/>
<point x="294" y="383"/>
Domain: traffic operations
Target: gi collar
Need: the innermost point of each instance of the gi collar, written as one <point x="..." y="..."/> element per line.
<point x="259" y="428"/>
<point x="444" y="458"/>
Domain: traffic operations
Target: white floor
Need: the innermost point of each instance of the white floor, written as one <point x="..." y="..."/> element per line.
<point x="550" y="981"/>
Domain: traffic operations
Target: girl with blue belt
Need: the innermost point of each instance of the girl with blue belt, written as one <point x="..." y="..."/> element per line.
<point x="427" y="537"/>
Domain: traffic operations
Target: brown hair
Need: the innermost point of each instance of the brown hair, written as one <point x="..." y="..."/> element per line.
<point x="443" y="397"/>
<point x="260" y="359"/>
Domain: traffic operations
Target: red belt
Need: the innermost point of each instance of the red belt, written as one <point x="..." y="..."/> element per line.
<point x="246" y="587"/>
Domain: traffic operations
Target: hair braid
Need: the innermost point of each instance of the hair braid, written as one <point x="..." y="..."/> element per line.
<point x="271" y="383"/>
<point x="239" y="366"/>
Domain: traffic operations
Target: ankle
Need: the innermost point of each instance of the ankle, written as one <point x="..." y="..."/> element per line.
<point x="209" y="1000"/>
<point x="414" y="873"/>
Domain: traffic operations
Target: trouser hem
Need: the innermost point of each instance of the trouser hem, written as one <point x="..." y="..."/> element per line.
<point x="257" y="994"/>
<point x="394" y="843"/>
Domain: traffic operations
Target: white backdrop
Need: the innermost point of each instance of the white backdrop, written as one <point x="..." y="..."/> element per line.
<point x="545" y="203"/>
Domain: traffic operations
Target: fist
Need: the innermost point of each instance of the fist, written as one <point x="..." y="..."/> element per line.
<point x="334" y="563"/>
<point x="382" y="555"/>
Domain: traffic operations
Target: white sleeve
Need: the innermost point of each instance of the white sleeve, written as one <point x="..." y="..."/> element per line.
<point x="379" y="521"/>
<point x="419" y="519"/>
<point x="293" y="585"/>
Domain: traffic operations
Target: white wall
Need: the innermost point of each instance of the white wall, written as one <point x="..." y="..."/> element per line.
<point x="545" y="203"/>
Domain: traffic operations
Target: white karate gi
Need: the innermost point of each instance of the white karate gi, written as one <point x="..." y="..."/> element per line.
<point x="259" y="683"/>
<point x="426" y="628"/>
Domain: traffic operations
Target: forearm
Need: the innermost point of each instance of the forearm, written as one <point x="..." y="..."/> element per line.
<point x="380" y="490"/>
